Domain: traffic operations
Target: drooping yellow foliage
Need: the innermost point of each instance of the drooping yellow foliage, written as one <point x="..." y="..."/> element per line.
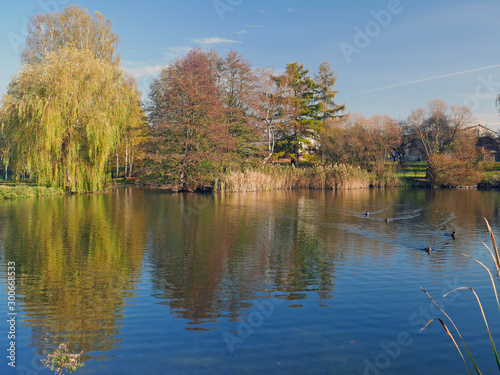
<point x="63" y="117"/>
<point x="73" y="26"/>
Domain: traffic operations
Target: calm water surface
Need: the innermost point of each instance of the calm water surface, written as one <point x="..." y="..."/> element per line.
<point x="147" y="282"/>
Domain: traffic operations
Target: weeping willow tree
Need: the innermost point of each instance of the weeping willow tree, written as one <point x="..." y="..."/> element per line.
<point x="64" y="117"/>
<point x="73" y="26"/>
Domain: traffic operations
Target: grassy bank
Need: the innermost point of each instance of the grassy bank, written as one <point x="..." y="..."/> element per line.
<point x="490" y="176"/>
<point x="10" y="191"/>
<point x="413" y="174"/>
<point x="278" y="177"/>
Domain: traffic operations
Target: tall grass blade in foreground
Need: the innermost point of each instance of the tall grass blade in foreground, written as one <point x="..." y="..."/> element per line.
<point x="452" y="339"/>
<point x="496" y="260"/>
<point x="497" y="257"/>
<point x="449" y="333"/>
<point x="485" y="321"/>
<point x="491" y="276"/>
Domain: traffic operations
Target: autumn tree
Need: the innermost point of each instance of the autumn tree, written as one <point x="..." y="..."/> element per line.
<point x="333" y="138"/>
<point x="435" y="129"/>
<point x="63" y="119"/>
<point x="3" y="151"/>
<point x="134" y="132"/>
<point x="236" y="84"/>
<point x="405" y="142"/>
<point x="385" y="137"/>
<point x="268" y="104"/>
<point x="190" y="140"/>
<point x="67" y="111"/>
<point x="364" y="142"/>
<point x="346" y="141"/>
<point x="435" y="132"/>
<point x="355" y="142"/>
<point x="72" y="27"/>
<point x="461" y="164"/>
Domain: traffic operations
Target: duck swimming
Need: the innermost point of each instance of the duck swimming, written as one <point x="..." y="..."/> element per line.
<point x="386" y="220"/>
<point x="367" y="213"/>
<point x="452" y="234"/>
<point x="428" y="250"/>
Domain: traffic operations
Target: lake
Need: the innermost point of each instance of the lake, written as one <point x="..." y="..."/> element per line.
<point x="302" y="282"/>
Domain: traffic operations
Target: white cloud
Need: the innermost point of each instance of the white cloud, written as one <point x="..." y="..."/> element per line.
<point x="256" y="26"/>
<point x="214" y="40"/>
<point x="141" y="69"/>
<point x="241" y="32"/>
<point x="171" y="53"/>
<point x="489" y="119"/>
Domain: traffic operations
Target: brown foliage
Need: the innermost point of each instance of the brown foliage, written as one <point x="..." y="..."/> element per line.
<point x="361" y="141"/>
<point x="189" y="137"/>
<point x="435" y="130"/>
<point x="445" y="171"/>
<point x="460" y="167"/>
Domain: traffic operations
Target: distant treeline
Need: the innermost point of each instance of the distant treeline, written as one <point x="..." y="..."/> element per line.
<point x="73" y="118"/>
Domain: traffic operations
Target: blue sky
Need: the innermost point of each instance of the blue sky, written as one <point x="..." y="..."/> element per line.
<point x="390" y="56"/>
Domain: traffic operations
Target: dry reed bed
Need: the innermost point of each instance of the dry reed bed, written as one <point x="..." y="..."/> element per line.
<point x="335" y="177"/>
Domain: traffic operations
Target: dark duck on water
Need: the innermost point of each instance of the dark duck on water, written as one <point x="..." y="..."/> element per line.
<point x="452" y="234"/>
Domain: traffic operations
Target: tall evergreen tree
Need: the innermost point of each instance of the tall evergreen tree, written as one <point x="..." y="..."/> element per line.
<point x="328" y="110"/>
<point x="299" y="117"/>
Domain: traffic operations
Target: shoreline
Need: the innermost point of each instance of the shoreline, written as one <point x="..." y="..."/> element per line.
<point x="336" y="177"/>
<point x="21" y="190"/>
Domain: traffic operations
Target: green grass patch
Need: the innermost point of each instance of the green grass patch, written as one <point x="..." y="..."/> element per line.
<point x="415" y="169"/>
<point x="490" y="175"/>
<point x="490" y="166"/>
<point x="10" y="190"/>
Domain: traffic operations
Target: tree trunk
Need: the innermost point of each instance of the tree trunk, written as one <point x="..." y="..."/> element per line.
<point x="267" y="158"/>
<point x="126" y="161"/>
<point x="296" y="152"/>
<point x="131" y="163"/>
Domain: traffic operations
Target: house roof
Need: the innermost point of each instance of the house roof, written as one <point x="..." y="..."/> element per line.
<point x="482" y="130"/>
